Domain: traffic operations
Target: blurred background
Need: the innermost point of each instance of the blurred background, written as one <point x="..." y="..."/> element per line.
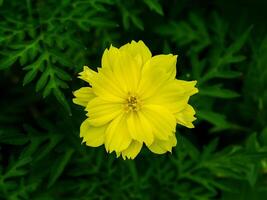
<point x="45" y="43"/>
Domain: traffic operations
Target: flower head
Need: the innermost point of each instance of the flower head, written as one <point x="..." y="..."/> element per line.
<point x="134" y="100"/>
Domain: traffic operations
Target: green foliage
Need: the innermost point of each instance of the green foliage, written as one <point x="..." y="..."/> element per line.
<point x="44" y="44"/>
<point x="220" y="58"/>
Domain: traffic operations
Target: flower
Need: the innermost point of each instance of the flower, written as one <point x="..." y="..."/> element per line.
<point x="134" y="100"/>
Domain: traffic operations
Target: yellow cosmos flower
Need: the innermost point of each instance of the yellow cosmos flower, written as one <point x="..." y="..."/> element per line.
<point x="134" y="100"/>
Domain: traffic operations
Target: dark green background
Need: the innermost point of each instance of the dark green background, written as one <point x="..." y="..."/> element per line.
<point x="45" y="43"/>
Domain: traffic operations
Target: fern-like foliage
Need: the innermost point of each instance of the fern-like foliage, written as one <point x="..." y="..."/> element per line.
<point x="220" y="61"/>
<point x="45" y="41"/>
<point x="41" y="44"/>
<point x="44" y="44"/>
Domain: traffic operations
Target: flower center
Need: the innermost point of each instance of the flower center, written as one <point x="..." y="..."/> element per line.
<point x="132" y="103"/>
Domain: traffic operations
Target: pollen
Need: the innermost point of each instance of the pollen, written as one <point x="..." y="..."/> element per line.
<point x="132" y="104"/>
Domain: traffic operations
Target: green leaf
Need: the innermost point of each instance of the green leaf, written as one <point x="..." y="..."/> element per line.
<point x="48" y="88"/>
<point x="62" y="74"/>
<point x="228" y="59"/>
<point x="209" y="149"/>
<point x="239" y="43"/>
<point x="253" y="173"/>
<point x="59" y="166"/>
<point x="7" y="61"/>
<point x="227" y="74"/>
<point x="41" y="144"/>
<point x="13" y="137"/>
<point x="30" y="75"/>
<point x="23" y="59"/>
<point x="18" y="168"/>
<point x="220" y="27"/>
<point x="191" y="149"/>
<point x="218" y="92"/>
<point x="42" y="80"/>
<point x="102" y="22"/>
<point x="62" y="100"/>
<point x="125" y="19"/>
<point x="61" y="58"/>
<point x="216" y="119"/>
<point x="154" y="5"/>
<point x="244" y="191"/>
<point x="137" y="22"/>
<point x="263" y="136"/>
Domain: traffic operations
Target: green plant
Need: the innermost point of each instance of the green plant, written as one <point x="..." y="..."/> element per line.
<point x="44" y="44"/>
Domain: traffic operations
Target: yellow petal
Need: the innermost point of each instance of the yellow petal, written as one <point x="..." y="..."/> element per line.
<point x="137" y="50"/>
<point x="107" y="86"/>
<point x="151" y="81"/>
<point x="110" y="58"/>
<point x="132" y="151"/>
<point x="162" y="146"/>
<point x="101" y="112"/>
<point x="186" y="116"/>
<point x="188" y="86"/>
<point x="92" y="136"/>
<point x="140" y="128"/>
<point x="128" y="71"/>
<point x="87" y="74"/>
<point x="170" y="96"/>
<point x="162" y="121"/>
<point x="173" y="95"/>
<point x="117" y="136"/>
<point x="122" y="70"/>
<point x="165" y="62"/>
<point x="83" y="96"/>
